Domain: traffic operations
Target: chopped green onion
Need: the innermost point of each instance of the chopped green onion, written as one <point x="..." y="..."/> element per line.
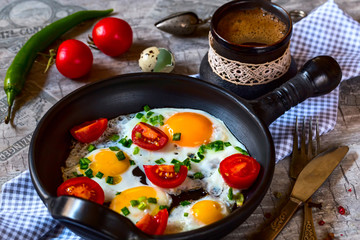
<point x="142" y="199"/>
<point x="91" y="148"/>
<point x="142" y="206"/>
<point x="134" y="203"/>
<point x="177" y="167"/>
<point x="195" y="160"/>
<point x="125" y="211"/>
<point x="185" y="203"/>
<point x="174" y="161"/>
<point x="186" y="214"/>
<point x="146" y="108"/>
<point x="161" y="207"/>
<point x="136" y="150"/>
<point x="154" y="120"/>
<point x="202" y="149"/>
<point x="160" y="161"/>
<point x="99" y="175"/>
<point x="176" y="137"/>
<point x="200" y="156"/>
<point x="152" y="200"/>
<point x="84" y="163"/>
<point x="114" y="148"/>
<point x="187" y="163"/>
<point x="110" y="180"/>
<point x="132" y="162"/>
<point x="161" y="120"/>
<point x="227" y="144"/>
<point x="144" y="119"/>
<point x="242" y="151"/>
<point x="239" y="199"/>
<point x="89" y="173"/>
<point x="230" y="194"/>
<point x="198" y="175"/>
<point x="117" y="193"/>
<point x="139" y="115"/>
<point x="138" y="135"/>
<point x="125" y="142"/>
<point x="149" y="114"/>
<point x="114" y="137"/>
<point x="77" y="175"/>
<point x="120" y="155"/>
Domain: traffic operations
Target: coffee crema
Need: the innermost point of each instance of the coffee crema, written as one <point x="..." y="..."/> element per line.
<point x="252" y="27"/>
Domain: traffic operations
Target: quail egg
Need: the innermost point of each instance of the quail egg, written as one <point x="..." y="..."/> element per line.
<point x="155" y="59"/>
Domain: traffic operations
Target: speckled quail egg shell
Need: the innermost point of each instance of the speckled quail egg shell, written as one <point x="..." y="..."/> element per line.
<point x="148" y="60"/>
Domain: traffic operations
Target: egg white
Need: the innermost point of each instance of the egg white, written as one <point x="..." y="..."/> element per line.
<point x="178" y="222"/>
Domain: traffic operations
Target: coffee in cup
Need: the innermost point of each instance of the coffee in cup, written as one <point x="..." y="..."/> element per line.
<point x="251" y="27"/>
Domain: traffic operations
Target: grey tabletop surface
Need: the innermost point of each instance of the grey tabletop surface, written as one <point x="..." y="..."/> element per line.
<point x="20" y="19"/>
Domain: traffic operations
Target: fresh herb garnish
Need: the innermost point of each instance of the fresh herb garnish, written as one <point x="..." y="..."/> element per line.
<point x="120" y="155"/>
<point x="160" y="161"/>
<point x="91" y="148"/>
<point x="176" y="137"/>
<point x="136" y="150"/>
<point x="114" y="138"/>
<point x="99" y="175"/>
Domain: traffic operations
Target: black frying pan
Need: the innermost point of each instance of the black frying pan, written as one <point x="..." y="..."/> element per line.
<point x="125" y="94"/>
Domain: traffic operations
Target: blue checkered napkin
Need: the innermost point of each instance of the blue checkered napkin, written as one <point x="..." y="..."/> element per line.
<point x="24" y="216"/>
<point x="325" y="31"/>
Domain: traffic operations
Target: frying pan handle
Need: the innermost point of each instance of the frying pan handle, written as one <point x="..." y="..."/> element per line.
<point x="92" y="220"/>
<point x="318" y="76"/>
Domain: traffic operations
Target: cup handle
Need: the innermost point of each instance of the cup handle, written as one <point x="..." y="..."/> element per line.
<point x="318" y="76"/>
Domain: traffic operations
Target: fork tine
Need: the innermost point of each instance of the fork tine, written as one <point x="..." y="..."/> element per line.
<point x="294" y="164"/>
<point x="309" y="145"/>
<point x="302" y="142"/>
<point x="296" y="137"/>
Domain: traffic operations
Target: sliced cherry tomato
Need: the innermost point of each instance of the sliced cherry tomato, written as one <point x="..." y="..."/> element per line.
<point x="148" y="137"/>
<point x="89" y="131"/>
<point x="74" y="59"/>
<point x="82" y="187"/>
<point x="113" y="36"/>
<point x="165" y="176"/>
<point x="239" y="171"/>
<point x="154" y="225"/>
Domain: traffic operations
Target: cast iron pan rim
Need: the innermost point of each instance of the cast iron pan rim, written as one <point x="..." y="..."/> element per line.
<point x="237" y="218"/>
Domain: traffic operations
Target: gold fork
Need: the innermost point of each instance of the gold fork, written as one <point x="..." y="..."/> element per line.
<point x="299" y="159"/>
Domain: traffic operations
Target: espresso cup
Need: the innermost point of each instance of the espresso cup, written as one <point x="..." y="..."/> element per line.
<point x="249" y="48"/>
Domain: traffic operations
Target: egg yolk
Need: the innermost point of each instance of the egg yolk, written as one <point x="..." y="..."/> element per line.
<point x="107" y="163"/>
<point x="123" y="199"/>
<point x="207" y="211"/>
<point x="195" y="128"/>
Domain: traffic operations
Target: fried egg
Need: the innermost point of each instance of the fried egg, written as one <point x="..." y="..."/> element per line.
<point x="105" y="168"/>
<point x="199" y="213"/>
<point x="136" y="202"/>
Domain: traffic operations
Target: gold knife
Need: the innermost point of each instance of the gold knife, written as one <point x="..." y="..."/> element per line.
<point x="309" y="180"/>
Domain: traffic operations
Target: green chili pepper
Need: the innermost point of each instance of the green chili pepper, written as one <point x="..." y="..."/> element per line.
<point x="21" y="65"/>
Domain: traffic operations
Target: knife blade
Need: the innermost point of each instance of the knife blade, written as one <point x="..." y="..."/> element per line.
<point x="309" y="180"/>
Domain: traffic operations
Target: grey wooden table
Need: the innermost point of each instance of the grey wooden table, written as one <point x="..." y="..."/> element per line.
<point x="20" y="19"/>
